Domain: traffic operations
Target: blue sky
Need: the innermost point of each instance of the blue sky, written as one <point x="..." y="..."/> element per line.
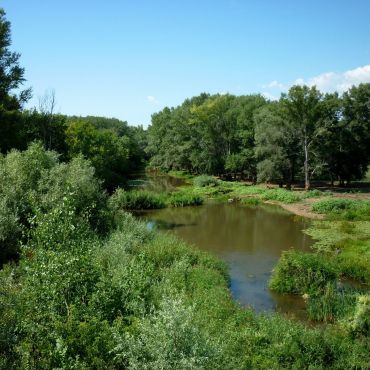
<point x="128" y="59"/>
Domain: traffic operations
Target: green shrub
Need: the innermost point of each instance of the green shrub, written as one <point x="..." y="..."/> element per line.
<point x="204" y="180"/>
<point x="34" y="179"/>
<point x="135" y="199"/>
<point x="302" y="273"/>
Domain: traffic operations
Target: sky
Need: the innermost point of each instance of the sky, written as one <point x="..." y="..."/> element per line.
<point x="129" y="59"/>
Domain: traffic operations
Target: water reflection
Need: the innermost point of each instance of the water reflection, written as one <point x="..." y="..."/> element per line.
<point x="249" y="239"/>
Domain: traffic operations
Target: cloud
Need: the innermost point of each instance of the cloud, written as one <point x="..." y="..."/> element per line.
<point x="274" y="84"/>
<point x="152" y="100"/>
<point x="326" y="82"/>
<point x="334" y="81"/>
<point x="269" y="96"/>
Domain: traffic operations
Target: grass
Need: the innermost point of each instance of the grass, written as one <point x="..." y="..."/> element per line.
<point x="183" y="199"/>
<point x="142" y="199"/>
<point x="136" y="199"/>
<point x="331" y="305"/>
<point x="343" y="209"/>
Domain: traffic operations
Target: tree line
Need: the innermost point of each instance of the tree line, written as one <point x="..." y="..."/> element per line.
<point x="304" y="135"/>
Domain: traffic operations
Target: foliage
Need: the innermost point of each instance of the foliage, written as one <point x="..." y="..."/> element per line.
<point x="107" y="152"/>
<point x="281" y="195"/>
<point x="204" y="180"/>
<point x="34" y="179"/>
<point x="302" y="273"/>
<point x="359" y="323"/>
<point x="331" y="305"/>
<point x="206" y="134"/>
<point x="305" y="135"/>
<point x="348" y="242"/>
<point x="276" y="146"/>
<point x="251" y="201"/>
<point x="136" y="199"/>
<point x="183" y="199"/>
<point x="12" y="75"/>
<point x="141" y="300"/>
<point x="343" y="209"/>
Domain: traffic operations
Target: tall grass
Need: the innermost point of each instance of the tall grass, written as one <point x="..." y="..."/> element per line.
<point x="331" y="305"/>
<point x="141" y="199"/>
<point x="136" y="199"/>
<point x="183" y="199"/>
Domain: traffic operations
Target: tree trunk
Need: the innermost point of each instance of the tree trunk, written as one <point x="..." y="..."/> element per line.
<point x="306" y="169"/>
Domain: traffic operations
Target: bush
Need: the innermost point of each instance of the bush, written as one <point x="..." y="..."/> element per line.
<point x="135" y="199"/>
<point x="35" y="180"/>
<point x="302" y="273"/>
<point x="204" y="180"/>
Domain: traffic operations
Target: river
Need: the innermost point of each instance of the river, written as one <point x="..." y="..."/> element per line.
<point x="249" y="239"/>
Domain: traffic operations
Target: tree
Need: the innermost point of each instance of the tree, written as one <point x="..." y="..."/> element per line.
<point x="303" y="106"/>
<point x="107" y="151"/>
<point x="11" y="78"/>
<point x="11" y="74"/>
<point x="274" y="145"/>
<point x="356" y="119"/>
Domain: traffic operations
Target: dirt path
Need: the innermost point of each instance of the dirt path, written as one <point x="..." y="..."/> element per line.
<point x="301" y="208"/>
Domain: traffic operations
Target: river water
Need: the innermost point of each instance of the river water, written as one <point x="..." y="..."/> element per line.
<point x="249" y="239"/>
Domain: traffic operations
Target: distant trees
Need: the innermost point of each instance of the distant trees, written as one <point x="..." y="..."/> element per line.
<point x="304" y="135"/>
<point x="107" y="151"/>
<point x="275" y="146"/>
<point x="206" y="134"/>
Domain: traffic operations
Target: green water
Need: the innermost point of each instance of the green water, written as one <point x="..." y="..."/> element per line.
<point x="249" y="239"/>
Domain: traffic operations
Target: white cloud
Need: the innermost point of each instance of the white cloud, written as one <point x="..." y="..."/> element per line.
<point x="334" y="81"/>
<point x="325" y="82"/>
<point x="274" y="84"/>
<point x="152" y="100"/>
<point x="269" y="96"/>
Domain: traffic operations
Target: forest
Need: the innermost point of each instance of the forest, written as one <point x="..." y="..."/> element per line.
<point x="84" y="284"/>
